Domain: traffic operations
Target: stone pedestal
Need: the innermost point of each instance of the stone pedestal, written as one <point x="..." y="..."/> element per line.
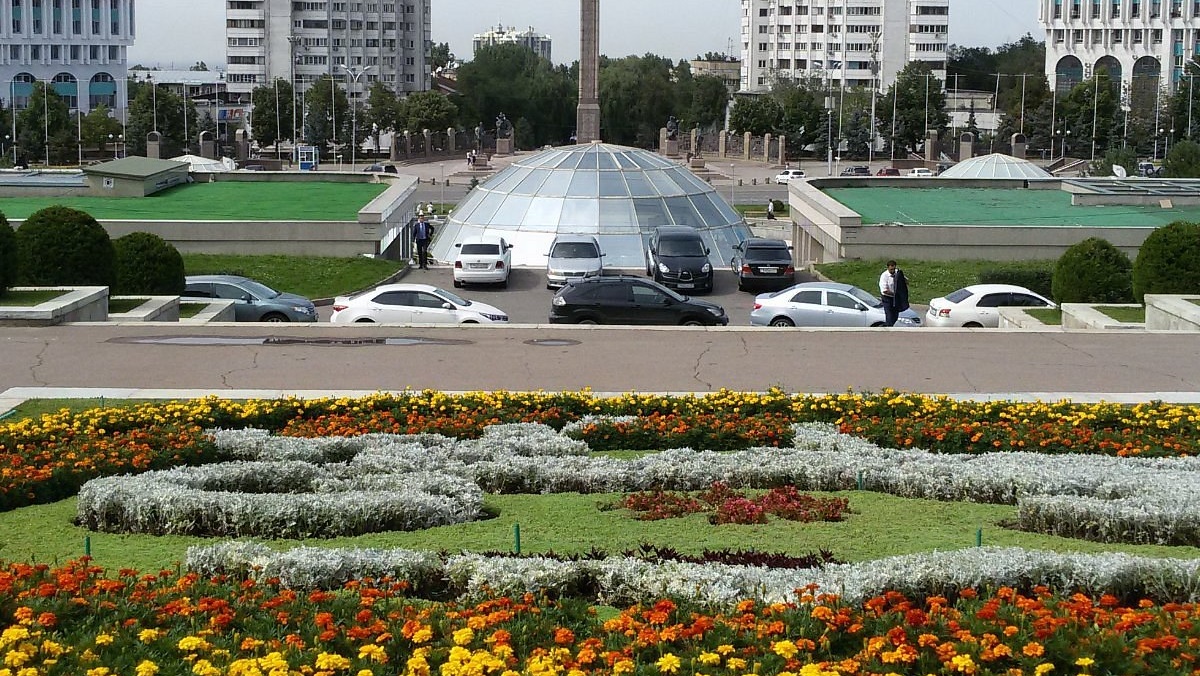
<point x="504" y="146"/>
<point x="670" y="148"/>
<point x="696" y="163"/>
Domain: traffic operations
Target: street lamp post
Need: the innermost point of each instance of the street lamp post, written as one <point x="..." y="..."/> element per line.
<point x="442" y="171"/>
<point x="732" y="185"/>
<point x="46" y="118"/>
<point x="153" y="98"/>
<point x="354" y="75"/>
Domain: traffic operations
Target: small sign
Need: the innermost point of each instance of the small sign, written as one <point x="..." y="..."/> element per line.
<point x="109" y="183"/>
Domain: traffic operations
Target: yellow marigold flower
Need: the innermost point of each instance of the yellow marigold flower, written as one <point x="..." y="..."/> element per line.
<point x="724" y="649"/>
<point x="785" y="649"/>
<point x="963" y="664"/>
<point x="99" y="671"/>
<point x="1043" y="669"/>
<point x="104" y="639"/>
<point x="1084" y="662"/>
<point x="365" y="672"/>
<point x="12" y="635"/>
<point x="205" y="668"/>
<point x="149" y="635"/>
<point x="87" y="656"/>
<point x="422" y="635"/>
<point x="332" y="661"/>
<point x="372" y="652"/>
<point x="28" y="671"/>
<point x="16" y="659"/>
<point x="622" y="667"/>
<point x="735" y="664"/>
<point x="192" y="644"/>
<point x="463" y="636"/>
<point x="146" y="668"/>
<point x="709" y="659"/>
<point x="668" y="664"/>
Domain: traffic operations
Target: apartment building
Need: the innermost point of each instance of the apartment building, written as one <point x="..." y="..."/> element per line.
<point x="845" y="42"/>
<point x="78" y="46"/>
<point x="1143" y="44"/>
<point x="536" y="42"/>
<point x="358" y="43"/>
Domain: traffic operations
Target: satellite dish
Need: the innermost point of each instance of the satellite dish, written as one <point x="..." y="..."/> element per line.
<point x="1119" y="171"/>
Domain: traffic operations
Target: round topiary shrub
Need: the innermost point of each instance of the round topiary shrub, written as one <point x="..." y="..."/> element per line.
<point x="8" y="255"/>
<point x="1169" y="261"/>
<point x="61" y="246"/>
<point x="1093" y="271"/>
<point x="147" y="264"/>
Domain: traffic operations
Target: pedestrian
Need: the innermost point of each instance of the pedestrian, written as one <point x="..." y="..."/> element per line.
<point x="429" y="209"/>
<point x="893" y="287"/>
<point x="470" y="157"/>
<point x="770" y="210"/>
<point x="422" y="232"/>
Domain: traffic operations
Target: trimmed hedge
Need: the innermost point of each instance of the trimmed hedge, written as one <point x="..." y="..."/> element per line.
<point x="147" y="264"/>
<point x="1039" y="281"/>
<point x="1093" y="271"/>
<point x="1169" y="261"/>
<point x="8" y="255"/>
<point x="63" y="246"/>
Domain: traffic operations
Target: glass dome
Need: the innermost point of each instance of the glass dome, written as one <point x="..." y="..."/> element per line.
<point x="995" y="165"/>
<point x="616" y="193"/>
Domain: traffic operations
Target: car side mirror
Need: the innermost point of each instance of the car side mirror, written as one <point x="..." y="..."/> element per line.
<point x="706" y="251"/>
<point x="458" y="245"/>
<point x="509" y="246"/>
<point x="447" y="306"/>
<point x="861" y="308"/>
<point x="247" y="298"/>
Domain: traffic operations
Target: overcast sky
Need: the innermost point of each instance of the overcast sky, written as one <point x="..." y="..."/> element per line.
<point x="176" y="34"/>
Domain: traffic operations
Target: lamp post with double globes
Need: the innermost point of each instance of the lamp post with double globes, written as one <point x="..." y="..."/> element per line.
<point x="354" y="75"/>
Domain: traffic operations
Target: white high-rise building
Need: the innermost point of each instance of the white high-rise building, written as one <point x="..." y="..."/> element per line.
<point x="78" y="46"/>
<point x="302" y="42"/>
<point x="1143" y="44"/>
<point x="536" y="42"/>
<point x="855" y="43"/>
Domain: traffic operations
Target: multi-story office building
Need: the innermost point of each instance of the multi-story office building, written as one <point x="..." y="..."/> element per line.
<point x="855" y="43"/>
<point x="357" y="43"/>
<point x="536" y="42"/>
<point x="78" y="46"/>
<point x="1134" y="41"/>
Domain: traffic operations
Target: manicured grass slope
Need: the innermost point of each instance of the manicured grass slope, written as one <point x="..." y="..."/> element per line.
<point x="228" y="201"/>
<point x="311" y="277"/>
<point x="926" y="279"/>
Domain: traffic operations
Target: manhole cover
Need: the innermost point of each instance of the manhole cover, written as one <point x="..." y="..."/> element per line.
<point x="551" y="342"/>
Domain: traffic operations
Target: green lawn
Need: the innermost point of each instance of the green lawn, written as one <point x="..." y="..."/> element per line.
<point x="27" y="298"/>
<point x="311" y="277"/>
<point x="926" y="279"/>
<point x="574" y="523"/>
<point x="226" y="201"/>
<point x="1051" y="316"/>
<point x="1127" y="315"/>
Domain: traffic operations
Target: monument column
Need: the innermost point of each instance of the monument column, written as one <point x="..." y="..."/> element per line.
<point x="587" y="117"/>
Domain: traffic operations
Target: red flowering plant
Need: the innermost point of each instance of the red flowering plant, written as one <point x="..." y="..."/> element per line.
<point x="726" y="505"/>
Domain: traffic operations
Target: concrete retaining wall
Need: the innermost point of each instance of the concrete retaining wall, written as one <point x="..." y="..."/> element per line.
<point x="154" y="309"/>
<point x="1172" y="313"/>
<point x="76" y="304"/>
<point x="1076" y="316"/>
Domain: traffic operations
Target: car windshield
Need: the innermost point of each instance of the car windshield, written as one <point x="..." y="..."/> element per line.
<point x="680" y="247"/>
<point x="453" y="298"/>
<point x="574" y="250"/>
<point x="958" y="296"/>
<point x="766" y="253"/>
<point x="866" y="298"/>
<point x="259" y="289"/>
<point x="481" y="249"/>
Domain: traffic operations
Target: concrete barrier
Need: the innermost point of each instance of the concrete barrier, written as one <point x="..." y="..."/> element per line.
<point x="1076" y="316"/>
<point x="1172" y="313"/>
<point x="76" y="304"/>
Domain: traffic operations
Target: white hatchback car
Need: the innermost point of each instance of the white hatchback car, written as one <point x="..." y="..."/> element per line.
<point x="785" y="176"/>
<point x="920" y="172"/>
<point x="979" y="305"/>
<point x="412" y="304"/>
<point x="485" y="259"/>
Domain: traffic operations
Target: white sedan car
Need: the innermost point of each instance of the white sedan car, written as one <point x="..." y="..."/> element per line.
<point x="412" y="304"/>
<point x="784" y="177"/>
<point x="921" y="172"/>
<point x="484" y="259"/>
<point x="979" y="305"/>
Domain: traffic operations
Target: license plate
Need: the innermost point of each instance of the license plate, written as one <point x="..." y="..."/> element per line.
<point x="686" y="286"/>
<point x="479" y="266"/>
<point x="768" y="271"/>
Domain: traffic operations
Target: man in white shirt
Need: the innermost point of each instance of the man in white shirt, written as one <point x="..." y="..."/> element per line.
<point x="887" y="291"/>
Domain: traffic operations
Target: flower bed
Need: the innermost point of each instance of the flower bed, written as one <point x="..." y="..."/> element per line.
<point x="729" y="506"/>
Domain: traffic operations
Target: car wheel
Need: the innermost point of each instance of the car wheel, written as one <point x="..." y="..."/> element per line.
<point x="782" y="322"/>
<point x="741" y="285"/>
<point x="458" y="284"/>
<point x="470" y="321"/>
<point x="877" y="325"/>
<point x="588" y="321"/>
<point x="691" y="321"/>
<point x="363" y="320"/>
<point x="275" y="318"/>
<point x="504" y="283"/>
<point x="972" y="325"/>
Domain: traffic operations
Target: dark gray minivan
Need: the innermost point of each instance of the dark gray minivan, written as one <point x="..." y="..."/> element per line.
<point x="677" y="258"/>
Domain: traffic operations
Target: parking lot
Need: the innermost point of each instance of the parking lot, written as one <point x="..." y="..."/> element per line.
<point x="527" y="300"/>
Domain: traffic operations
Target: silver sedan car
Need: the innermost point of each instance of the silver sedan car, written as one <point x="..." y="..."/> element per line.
<point x="823" y="304"/>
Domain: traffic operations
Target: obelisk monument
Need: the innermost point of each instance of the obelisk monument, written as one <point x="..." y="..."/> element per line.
<point x="587" y="117"/>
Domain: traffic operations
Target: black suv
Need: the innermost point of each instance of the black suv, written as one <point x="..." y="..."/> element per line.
<point x="765" y="263"/>
<point x="626" y="299"/>
<point x="856" y="171"/>
<point x="677" y="258"/>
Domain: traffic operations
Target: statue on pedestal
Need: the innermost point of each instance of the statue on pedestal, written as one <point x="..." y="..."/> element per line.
<point x="503" y="127"/>
<point x="672" y="128"/>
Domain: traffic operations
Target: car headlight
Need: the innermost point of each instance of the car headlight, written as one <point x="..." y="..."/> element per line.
<point x="662" y="267"/>
<point x="716" y="311"/>
<point x="706" y="268"/>
<point x="304" y="310"/>
<point x="495" y="318"/>
<point x="558" y="301"/>
<point x="911" y="321"/>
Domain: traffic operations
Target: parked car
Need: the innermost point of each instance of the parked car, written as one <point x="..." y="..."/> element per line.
<point x="856" y="171"/>
<point x="677" y="258"/>
<point x="920" y="172"/>
<point x="253" y="301"/>
<point x="888" y="171"/>
<point x="823" y="304"/>
<point x="483" y="259"/>
<point x="573" y="257"/>
<point x="765" y="263"/>
<point x="412" y="304"/>
<point x="979" y="305"/>
<point x="626" y="299"/>
<point x="785" y="176"/>
<point x="381" y="168"/>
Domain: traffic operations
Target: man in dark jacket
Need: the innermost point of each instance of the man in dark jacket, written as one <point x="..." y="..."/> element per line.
<point x="893" y="288"/>
<point x="422" y="231"/>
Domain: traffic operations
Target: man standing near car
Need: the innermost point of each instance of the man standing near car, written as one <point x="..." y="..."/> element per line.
<point x="893" y="288"/>
<point x="422" y="233"/>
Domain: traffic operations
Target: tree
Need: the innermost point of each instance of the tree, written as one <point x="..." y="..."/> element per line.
<point x="6" y="121"/>
<point x="513" y="80"/>
<point x="200" y="66"/>
<point x="1185" y="103"/>
<point x="1168" y="261"/>
<point x="327" y="121"/>
<point x="427" y="110"/>
<point x="919" y="104"/>
<point x="636" y="98"/>
<point x="154" y="107"/>
<point x="804" y="116"/>
<point x="709" y="99"/>
<point x="273" y="106"/>
<point x="1120" y="157"/>
<point x="440" y="55"/>
<point x="857" y="135"/>
<point x="96" y="126"/>
<point x="758" y="115"/>
<point x="47" y="112"/>
<point x="1183" y="160"/>
<point x="1093" y="271"/>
